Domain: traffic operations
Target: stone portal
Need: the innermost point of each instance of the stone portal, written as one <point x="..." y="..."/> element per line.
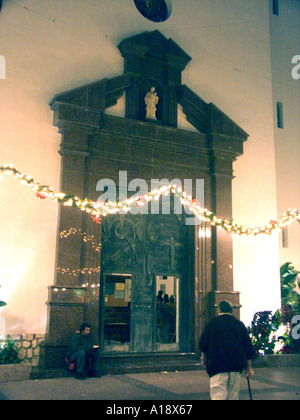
<point x="143" y="248"/>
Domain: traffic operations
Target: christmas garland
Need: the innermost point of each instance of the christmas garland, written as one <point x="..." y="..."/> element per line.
<point x="97" y="209"/>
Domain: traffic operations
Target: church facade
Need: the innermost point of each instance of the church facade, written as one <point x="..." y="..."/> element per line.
<point x="149" y="251"/>
<point x="112" y="100"/>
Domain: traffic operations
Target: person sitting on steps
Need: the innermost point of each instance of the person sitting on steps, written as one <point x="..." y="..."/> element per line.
<point x="83" y="351"/>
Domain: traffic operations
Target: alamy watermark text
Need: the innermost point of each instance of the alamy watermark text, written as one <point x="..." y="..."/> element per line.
<point x="139" y="188"/>
<point x="296" y="68"/>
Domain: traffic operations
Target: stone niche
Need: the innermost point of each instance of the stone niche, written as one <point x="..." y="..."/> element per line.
<point x="95" y="146"/>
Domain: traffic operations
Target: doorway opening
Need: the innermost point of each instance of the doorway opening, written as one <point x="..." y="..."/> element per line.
<point x="167" y="312"/>
<point x="117" y="312"/>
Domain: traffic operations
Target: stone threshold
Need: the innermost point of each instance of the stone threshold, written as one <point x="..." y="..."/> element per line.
<point x="139" y="363"/>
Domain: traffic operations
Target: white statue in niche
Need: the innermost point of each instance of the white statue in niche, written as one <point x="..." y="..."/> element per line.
<point x="151" y="100"/>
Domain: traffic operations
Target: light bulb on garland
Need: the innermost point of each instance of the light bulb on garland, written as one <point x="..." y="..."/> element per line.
<point x="85" y="237"/>
<point x="98" y="209"/>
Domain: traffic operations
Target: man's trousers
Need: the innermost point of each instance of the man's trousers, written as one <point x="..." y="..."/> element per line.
<point x="225" y="386"/>
<point x="90" y="359"/>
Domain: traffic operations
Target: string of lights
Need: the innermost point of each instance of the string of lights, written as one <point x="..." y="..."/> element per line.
<point x="86" y="271"/>
<point x="77" y="272"/>
<point x="85" y="237"/>
<point x="99" y="208"/>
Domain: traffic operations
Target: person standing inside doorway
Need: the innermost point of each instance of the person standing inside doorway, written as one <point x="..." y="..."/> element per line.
<point x="226" y="351"/>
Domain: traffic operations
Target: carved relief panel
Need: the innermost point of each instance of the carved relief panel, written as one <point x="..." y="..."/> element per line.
<point x="144" y="246"/>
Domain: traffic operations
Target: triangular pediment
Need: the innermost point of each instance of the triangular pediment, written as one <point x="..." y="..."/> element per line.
<point x="156" y="53"/>
<point x="139" y="51"/>
<point x="98" y="95"/>
<point x="146" y="43"/>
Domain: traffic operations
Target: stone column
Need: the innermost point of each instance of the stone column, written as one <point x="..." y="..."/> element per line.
<point x="225" y="141"/>
<point x="69" y="300"/>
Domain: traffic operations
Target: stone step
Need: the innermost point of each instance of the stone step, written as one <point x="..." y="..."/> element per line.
<point x="134" y="363"/>
<point x="126" y="364"/>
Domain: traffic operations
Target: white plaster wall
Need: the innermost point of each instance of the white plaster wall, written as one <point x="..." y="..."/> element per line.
<point x="285" y="44"/>
<point x="55" y="45"/>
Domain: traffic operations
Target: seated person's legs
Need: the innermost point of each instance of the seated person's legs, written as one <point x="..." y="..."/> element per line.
<point x="79" y="358"/>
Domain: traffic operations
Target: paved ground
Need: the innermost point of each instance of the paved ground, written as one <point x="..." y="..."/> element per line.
<point x="267" y="384"/>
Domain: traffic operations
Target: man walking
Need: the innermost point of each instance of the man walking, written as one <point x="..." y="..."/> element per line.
<point x="82" y="351"/>
<point x="226" y="351"/>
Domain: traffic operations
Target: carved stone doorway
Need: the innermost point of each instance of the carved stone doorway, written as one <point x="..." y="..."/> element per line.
<point x="96" y="146"/>
<point x="153" y="251"/>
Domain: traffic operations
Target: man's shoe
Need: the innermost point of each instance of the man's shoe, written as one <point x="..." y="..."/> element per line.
<point x="79" y="375"/>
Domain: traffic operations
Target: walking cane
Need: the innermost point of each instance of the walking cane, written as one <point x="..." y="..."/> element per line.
<point x="249" y="388"/>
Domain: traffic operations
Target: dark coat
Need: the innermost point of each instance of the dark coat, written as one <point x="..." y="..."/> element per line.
<point x="80" y="342"/>
<point x="227" y="345"/>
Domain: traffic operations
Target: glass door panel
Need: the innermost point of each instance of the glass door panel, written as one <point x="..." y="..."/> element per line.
<point x="117" y="304"/>
<point x="167" y="313"/>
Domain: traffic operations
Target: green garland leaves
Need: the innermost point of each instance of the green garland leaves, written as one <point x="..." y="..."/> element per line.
<point x="98" y="209"/>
